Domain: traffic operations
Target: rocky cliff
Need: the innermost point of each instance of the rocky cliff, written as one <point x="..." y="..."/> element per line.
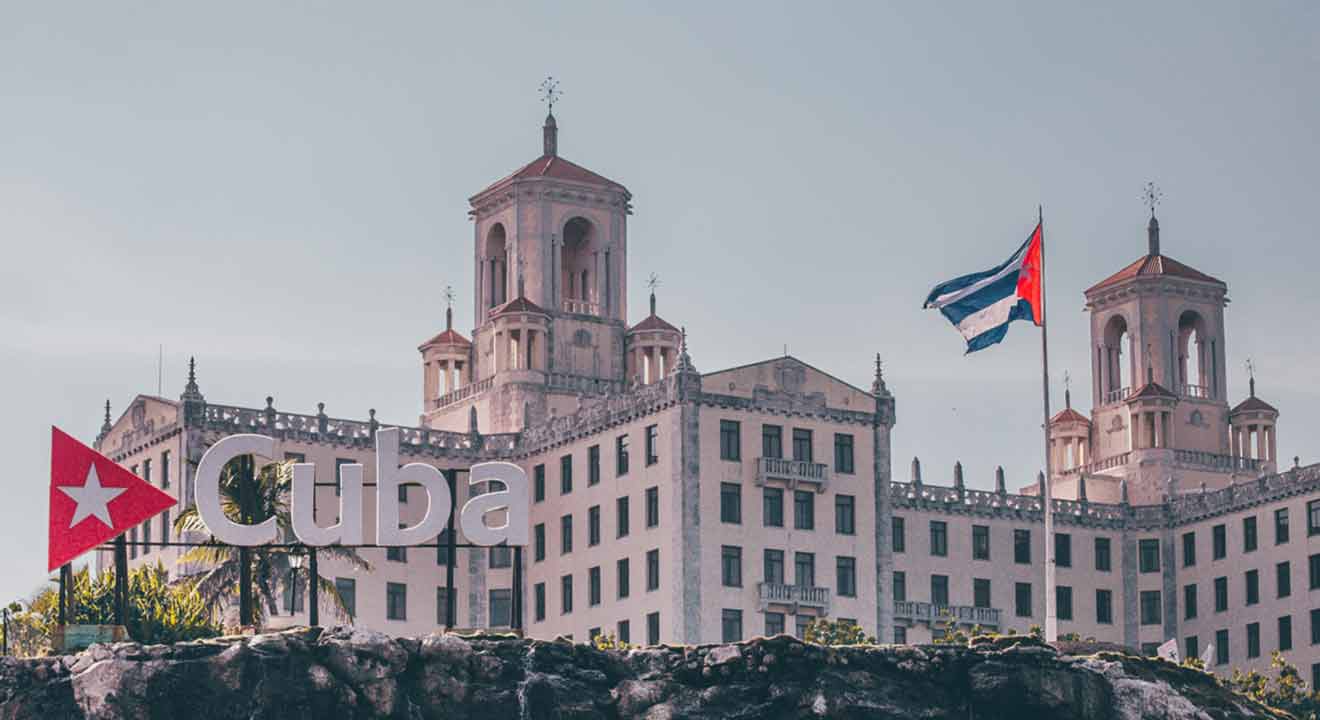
<point x="346" y="673"/>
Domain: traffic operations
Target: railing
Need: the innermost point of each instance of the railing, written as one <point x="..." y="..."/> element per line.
<point x="1199" y="392"/>
<point x="1215" y="461"/>
<point x="583" y="384"/>
<point x="581" y="307"/>
<point x="795" y="595"/>
<point x="1112" y="461"/>
<point x="1118" y="395"/>
<point x="462" y="393"/>
<point x="793" y="471"/>
<point x="933" y="613"/>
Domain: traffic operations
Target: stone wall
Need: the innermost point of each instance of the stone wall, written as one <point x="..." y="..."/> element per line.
<point x="345" y="673"/>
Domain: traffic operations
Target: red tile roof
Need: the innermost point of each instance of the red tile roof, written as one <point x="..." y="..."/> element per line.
<point x="553" y="166"/>
<point x="1069" y="415"/>
<point x="1151" y="390"/>
<point x="652" y="322"/>
<point x="1151" y="266"/>
<point x="519" y="304"/>
<point x="1253" y="403"/>
<point x="448" y="337"/>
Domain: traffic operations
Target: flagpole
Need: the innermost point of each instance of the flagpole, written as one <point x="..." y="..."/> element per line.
<point x="1047" y="500"/>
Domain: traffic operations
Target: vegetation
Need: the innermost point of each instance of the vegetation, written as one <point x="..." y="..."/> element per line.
<point x="271" y="569"/>
<point x="1284" y="690"/>
<point x="158" y="612"/>
<point x="824" y="631"/>
<point x="607" y="641"/>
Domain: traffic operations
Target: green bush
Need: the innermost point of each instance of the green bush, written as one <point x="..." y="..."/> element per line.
<point x="824" y="631"/>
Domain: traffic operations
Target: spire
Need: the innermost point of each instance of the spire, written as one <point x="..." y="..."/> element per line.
<point x="191" y="391"/>
<point x="449" y="307"/>
<point x="653" y="282"/>
<point x="1251" y="377"/>
<point x="916" y="470"/>
<point x="105" y="426"/>
<point x="958" y="475"/>
<point x="878" y="385"/>
<point x="1152" y="197"/>
<point x="550" y="131"/>
<point x="999" y="480"/>
<point x="1067" y="391"/>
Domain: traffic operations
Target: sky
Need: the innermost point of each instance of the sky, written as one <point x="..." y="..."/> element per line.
<point x="280" y="190"/>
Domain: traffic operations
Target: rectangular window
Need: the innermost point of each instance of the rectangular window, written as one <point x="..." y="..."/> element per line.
<point x="653" y="569"/>
<point x="146" y="536"/>
<point x="1313" y="517"/>
<point x="652" y="444"/>
<point x="565" y="474"/>
<point x="730" y="440"/>
<point x="1103" y="557"/>
<point x="593" y="525"/>
<point x="1315" y="627"/>
<point x="1149" y="555"/>
<point x="621" y="517"/>
<point x="1189" y="549"/>
<point x="1313" y="566"/>
<point x="1285" y="633"/>
<point x="621" y="455"/>
<point x="1192" y="646"/>
<point x="1063" y="602"/>
<point x="653" y="628"/>
<point x="843" y="453"/>
<point x="981" y="592"/>
<point x="802" y="445"/>
<point x="396" y="601"/>
<point x="939" y="538"/>
<point x="939" y="589"/>
<point x="1219" y="542"/>
<point x="442" y="547"/>
<point x="1150" y="607"/>
<point x="625" y="632"/>
<point x="501" y="608"/>
<point x="804" y="569"/>
<point x="165" y="527"/>
<point x="900" y="586"/>
<point x="403" y="493"/>
<point x="132" y="542"/>
<point x="652" y="507"/>
<point x="846" y="576"/>
<point x="565" y="534"/>
<point x="396" y="554"/>
<point x="339" y="473"/>
<point x="1280" y="526"/>
<point x="772" y="507"/>
<point x="774" y="567"/>
<point x="731" y="625"/>
<point x="1221" y="647"/>
<point x="1022" y="547"/>
<point x="593" y="586"/>
<point x="146" y="470"/>
<point x="900" y="635"/>
<point x="804" y="509"/>
<point x="501" y="556"/>
<point x="538" y="601"/>
<point x="538" y="483"/>
<point x="731" y="503"/>
<point x="347" y="589"/>
<point x="1022" y="599"/>
<point x="442" y="596"/>
<point x="593" y="465"/>
<point x="900" y="535"/>
<point x="623" y="569"/>
<point x="1062" y="550"/>
<point x="980" y="542"/>
<point x="165" y="469"/>
<point x="1221" y="594"/>
<point x="1249" y="534"/>
<point x="1283" y="579"/>
<point x="1253" y="587"/>
<point x="845" y="516"/>
<point x="731" y="565"/>
<point x="538" y="542"/>
<point x="774" y="624"/>
<point x="772" y="441"/>
<point x="1189" y="602"/>
<point x="1253" y="640"/>
<point x="1104" y="607"/>
<point x="565" y="594"/>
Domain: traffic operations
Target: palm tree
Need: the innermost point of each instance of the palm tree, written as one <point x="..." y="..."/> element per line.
<point x="217" y="584"/>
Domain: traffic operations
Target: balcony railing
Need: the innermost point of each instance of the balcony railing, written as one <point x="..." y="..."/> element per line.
<point x="1199" y="392"/>
<point x="462" y="393"/>
<point x="795" y="595"/>
<point x="1118" y="395"/>
<point x="1215" y="461"/>
<point x="580" y="307"/>
<point x="794" y="472"/>
<point x="933" y="613"/>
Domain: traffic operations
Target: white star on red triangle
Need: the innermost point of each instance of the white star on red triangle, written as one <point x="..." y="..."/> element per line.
<point x="93" y="499"/>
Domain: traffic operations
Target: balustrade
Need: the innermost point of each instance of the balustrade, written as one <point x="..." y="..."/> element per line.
<point x="794" y="472"/>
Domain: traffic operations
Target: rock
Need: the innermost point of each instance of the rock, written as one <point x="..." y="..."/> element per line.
<point x="345" y="672"/>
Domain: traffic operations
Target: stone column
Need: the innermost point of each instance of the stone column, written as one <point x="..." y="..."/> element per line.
<point x="1260" y="442"/>
<point x="1273" y="447"/>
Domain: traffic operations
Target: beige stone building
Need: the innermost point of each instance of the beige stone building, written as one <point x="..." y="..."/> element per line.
<point x="671" y="505"/>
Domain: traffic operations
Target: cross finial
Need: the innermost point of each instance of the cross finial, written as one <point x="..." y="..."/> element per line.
<point x="653" y="282"/>
<point x="1152" y="196"/>
<point x="1251" y="376"/>
<point x="550" y="93"/>
<point x="449" y="307"/>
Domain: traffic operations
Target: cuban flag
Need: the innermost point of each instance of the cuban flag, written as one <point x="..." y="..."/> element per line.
<point x="981" y="305"/>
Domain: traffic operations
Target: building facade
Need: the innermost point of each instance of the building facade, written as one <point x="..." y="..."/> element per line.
<point x="671" y="505"/>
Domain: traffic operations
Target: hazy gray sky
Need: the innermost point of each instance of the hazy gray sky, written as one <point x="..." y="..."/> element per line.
<point x="281" y="191"/>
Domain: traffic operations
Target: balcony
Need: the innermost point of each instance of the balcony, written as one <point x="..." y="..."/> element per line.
<point x="1195" y="392"/>
<point x="462" y="393"/>
<point x="931" y="613"/>
<point x="580" y="307"/>
<point x="793" y="472"/>
<point x="1116" y="396"/>
<point x="795" y="596"/>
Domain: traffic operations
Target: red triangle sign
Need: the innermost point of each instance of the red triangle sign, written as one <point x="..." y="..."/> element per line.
<point x="92" y="499"/>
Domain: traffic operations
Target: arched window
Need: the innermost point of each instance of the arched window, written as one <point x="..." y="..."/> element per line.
<point x="1117" y="370"/>
<point x="497" y="266"/>
<point x="1193" y="378"/>
<point x="577" y="259"/>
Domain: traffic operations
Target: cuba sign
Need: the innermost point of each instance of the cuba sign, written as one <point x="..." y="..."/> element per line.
<point x="389" y="477"/>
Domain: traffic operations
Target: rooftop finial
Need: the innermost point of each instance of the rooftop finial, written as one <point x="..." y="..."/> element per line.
<point x="653" y="282"/>
<point x="878" y="385"/>
<point x="1067" y="390"/>
<point x="105" y="425"/>
<point x="550" y="131"/>
<point x="1251" y="376"/>
<point x="449" y="307"/>
<point x="191" y="390"/>
<point x="1152" y="197"/>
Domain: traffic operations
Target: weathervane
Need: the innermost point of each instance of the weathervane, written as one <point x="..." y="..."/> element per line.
<point x="1152" y="196"/>
<point x="653" y="282"/>
<point x="449" y="295"/>
<point x="550" y="92"/>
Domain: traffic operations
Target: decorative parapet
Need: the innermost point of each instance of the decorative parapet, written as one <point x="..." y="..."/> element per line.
<point x="793" y="472"/>
<point x="1098" y="466"/>
<point x="931" y="613"/>
<point x="462" y="393"/>
<point x="785" y="403"/>
<point x="602" y="413"/>
<point x="1214" y="461"/>
<point x="582" y="384"/>
<point x="794" y="595"/>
